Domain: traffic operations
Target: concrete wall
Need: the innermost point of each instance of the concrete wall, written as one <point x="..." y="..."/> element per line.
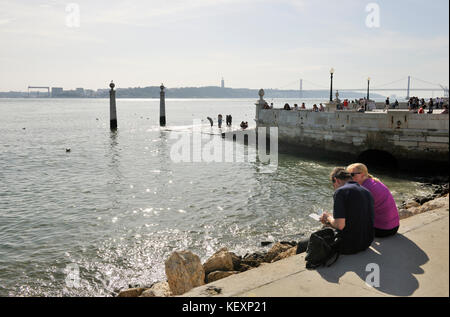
<point x="406" y="136"/>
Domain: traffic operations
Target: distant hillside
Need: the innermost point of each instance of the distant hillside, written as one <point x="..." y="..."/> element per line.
<point x="218" y="92"/>
<point x="195" y="92"/>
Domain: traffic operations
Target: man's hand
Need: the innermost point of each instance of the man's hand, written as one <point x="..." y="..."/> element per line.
<point x="329" y="221"/>
<point x="324" y="219"/>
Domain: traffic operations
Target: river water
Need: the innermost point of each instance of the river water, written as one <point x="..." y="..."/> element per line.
<point x="116" y="205"/>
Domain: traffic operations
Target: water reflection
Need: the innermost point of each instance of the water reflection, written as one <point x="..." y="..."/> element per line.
<point x="114" y="155"/>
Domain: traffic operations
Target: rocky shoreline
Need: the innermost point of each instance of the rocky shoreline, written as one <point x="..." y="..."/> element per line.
<point x="420" y="204"/>
<point x="185" y="271"/>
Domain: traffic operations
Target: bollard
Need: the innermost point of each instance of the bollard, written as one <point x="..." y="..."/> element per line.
<point x="162" y="107"/>
<point x="112" y="107"/>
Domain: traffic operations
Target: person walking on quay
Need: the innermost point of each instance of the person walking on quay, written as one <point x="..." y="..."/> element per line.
<point x="219" y="121"/>
<point x="387" y="220"/>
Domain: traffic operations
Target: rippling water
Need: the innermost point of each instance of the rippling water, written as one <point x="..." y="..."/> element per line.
<point x="117" y="205"/>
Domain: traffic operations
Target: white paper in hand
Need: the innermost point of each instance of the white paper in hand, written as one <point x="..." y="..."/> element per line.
<point x="318" y="215"/>
<point x="315" y="217"/>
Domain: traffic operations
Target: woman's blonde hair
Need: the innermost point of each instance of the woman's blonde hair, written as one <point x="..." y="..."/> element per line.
<point x="361" y="168"/>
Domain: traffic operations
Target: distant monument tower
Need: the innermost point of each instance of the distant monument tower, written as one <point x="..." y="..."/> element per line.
<point x="301" y="88"/>
<point x="222" y="83"/>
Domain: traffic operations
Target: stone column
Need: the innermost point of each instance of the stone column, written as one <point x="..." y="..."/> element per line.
<point x="112" y="107"/>
<point x="162" y="107"/>
<point x="259" y="105"/>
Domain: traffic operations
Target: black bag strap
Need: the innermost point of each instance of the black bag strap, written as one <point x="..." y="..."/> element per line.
<point x="336" y="257"/>
<point x="336" y="249"/>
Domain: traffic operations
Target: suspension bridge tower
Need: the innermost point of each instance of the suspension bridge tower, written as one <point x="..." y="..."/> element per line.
<point x="301" y="88"/>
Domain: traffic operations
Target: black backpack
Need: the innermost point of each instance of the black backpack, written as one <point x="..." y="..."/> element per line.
<point x="323" y="248"/>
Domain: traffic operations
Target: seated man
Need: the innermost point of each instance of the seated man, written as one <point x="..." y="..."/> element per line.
<point x="353" y="213"/>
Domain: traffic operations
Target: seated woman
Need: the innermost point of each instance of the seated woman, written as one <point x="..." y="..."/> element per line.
<point x="287" y="107"/>
<point x="387" y="220"/>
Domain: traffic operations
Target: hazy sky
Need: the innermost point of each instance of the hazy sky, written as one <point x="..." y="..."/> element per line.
<point x="251" y="43"/>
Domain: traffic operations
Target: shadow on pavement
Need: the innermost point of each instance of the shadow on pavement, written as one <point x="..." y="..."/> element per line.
<point x="398" y="259"/>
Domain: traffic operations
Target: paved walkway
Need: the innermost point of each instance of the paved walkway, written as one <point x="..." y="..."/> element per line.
<point x="413" y="263"/>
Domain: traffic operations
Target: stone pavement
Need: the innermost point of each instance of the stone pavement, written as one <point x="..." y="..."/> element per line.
<point x="413" y="263"/>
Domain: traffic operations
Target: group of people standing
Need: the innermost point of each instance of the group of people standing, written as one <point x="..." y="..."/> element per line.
<point x="417" y="105"/>
<point x="363" y="209"/>
<point x="229" y="120"/>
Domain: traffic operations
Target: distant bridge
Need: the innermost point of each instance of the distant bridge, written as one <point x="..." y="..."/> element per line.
<point x="433" y="87"/>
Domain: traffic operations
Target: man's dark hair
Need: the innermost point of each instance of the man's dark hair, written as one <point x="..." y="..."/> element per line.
<point x="340" y="173"/>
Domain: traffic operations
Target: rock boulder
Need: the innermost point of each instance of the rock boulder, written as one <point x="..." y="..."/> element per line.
<point x="276" y="249"/>
<point x="184" y="271"/>
<point x="161" y="289"/>
<point x="283" y="255"/>
<point x="131" y="292"/>
<point x="222" y="260"/>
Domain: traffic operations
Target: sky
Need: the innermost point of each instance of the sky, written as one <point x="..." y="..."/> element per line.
<point x="251" y="43"/>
